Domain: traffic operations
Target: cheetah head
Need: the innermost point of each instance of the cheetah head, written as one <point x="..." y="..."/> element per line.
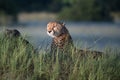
<point x="12" y="33"/>
<point x="55" y="29"/>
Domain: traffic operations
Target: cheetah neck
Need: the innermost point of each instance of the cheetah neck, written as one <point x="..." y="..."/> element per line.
<point x="62" y="36"/>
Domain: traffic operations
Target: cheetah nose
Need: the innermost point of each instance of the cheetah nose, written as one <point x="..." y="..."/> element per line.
<point x="49" y="31"/>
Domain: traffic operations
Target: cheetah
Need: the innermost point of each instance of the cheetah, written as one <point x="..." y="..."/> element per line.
<point x="60" y="34"/>
<point x="62" y="39"/>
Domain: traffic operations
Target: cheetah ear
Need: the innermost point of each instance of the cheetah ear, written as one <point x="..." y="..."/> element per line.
<point x="63" y="24"/>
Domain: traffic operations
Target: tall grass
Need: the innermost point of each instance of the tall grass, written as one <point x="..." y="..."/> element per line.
<point x="18" y="61"/>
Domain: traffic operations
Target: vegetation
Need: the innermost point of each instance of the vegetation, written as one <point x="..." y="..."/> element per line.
<point x="69" y="9"/>
<point x="19" y="62"/>
<point x="86" y="10"/>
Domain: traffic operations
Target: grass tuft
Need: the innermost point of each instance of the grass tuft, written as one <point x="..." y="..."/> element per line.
<point x="18" y="61"/>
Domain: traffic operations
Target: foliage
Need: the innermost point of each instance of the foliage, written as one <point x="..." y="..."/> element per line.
<point x="8" y="6"/>
<point x="81" y="9"/>
<point x="86" y="10"/>
<point x="21" y="63"/>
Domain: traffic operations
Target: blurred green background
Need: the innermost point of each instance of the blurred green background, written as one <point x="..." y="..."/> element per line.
<point x="71" y="10"/>
<point x="86" y="20"/>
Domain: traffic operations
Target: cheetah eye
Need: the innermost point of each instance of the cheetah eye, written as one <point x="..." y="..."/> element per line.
<point x="55" y="28"/>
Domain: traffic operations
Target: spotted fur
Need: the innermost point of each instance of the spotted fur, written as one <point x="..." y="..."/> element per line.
<point x="62" y="40"/>
<point x="60" y="34"/>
